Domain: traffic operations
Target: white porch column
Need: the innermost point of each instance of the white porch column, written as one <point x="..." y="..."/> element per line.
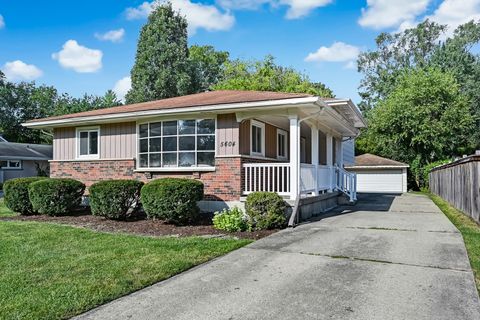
<point x="330" y="160"/>
<point x="314" y="130"/>
<point x="294" y="157"/>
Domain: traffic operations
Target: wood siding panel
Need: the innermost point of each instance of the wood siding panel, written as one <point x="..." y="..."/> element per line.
<point x="64" y="144"/>
<point x="270" y="141"/>
<point x="118" y="140"/>
<point x="245" y="137"/>
<point x="348" y="148"/>
<point x="228" y="135"/>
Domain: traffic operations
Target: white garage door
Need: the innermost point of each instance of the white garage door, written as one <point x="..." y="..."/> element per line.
<point x="385" y="180"/>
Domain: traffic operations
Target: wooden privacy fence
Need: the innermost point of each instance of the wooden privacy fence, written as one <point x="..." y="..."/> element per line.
<point x="459" y="184"/>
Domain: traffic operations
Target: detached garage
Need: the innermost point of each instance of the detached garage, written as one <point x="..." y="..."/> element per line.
<point x="377" y="174"/>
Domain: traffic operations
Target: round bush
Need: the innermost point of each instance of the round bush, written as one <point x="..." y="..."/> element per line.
<point x="265" y="210"/>
<point x="173" y="200"/>
<point x="16" y="194"/>
<point x="115" y="199"/>
<point x="56" y="196"/>
<point x="230" y="220"/>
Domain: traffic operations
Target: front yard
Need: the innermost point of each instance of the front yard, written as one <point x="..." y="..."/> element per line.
<point x="51" y="271"/>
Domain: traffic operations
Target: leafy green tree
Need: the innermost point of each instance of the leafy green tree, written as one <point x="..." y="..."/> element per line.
<point x="266" y="75"/>
<point x="425" y="118"/>
<point x="161" y="67"/>
<point x="207" y="66"/>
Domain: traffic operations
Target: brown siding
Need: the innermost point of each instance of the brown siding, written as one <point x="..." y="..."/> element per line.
<point x="64" y="144"/>
<point x="245" y="137"/>
<point x="228" y="139"/>
<point x="117" y="141"/>
<point x="270" y="141"/>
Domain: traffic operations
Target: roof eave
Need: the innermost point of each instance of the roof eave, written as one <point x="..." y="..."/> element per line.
<point x="126" y="116"/>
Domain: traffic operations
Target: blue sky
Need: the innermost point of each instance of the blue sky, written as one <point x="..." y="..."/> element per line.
<point x="89" y="46"/>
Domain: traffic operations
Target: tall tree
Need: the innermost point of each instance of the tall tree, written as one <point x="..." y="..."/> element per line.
<point x="425" y="118"/>
<point x="266" y="75"/>
<point x="161" y="68"/>
<point x="207" y="65"/>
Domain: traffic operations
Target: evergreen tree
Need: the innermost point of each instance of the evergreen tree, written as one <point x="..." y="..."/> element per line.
<point x="161" y="67"/>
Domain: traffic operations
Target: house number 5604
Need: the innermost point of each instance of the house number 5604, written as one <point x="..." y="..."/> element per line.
<point x="227" y="144"/>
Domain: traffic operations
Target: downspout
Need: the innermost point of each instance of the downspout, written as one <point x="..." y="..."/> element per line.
<point x="293" y="221"/>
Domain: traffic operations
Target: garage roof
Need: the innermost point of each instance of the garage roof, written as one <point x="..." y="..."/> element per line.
<point x="369" y="160"/>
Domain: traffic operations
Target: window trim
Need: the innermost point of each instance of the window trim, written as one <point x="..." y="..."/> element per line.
<point x="12" y="168"/>
<point x="174" y="169"/>
<point x="260" y="125"/>
<point x="77" y="142"/>
<point x="285" y="145"/>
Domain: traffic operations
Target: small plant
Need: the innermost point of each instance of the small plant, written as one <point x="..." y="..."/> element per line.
<point x="115" y="199"/>
<point x="56" y="196"/>
<point x="265" y="210"/>
<point x="230" y="220"/>
<point x="16" y="194"/>
<point x="173" y="200"/>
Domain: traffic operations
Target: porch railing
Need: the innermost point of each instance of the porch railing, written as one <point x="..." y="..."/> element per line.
<point x="307" y="178"/>
<point x="346" y="182"/>
<point x="271" y="177"/>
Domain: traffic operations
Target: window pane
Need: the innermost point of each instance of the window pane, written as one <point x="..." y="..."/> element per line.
<point x="206" y="159"/>
<point x="83" y="143"/>
<point x="186" y="127"/>
<point x="155" y="129"/>
<point x="169" y="128"/>
<point x="206" y="143"/>
<point x="143" y="145"/>
<point x="186" y="159"/>
<point x="170" y="144"/>
<point x="3" y="164"/>
<point x="144" y="161"/>
<point x="155" y="160"/>
<point x="170" y="159"/>
<point x="186" y="143"/>
<point x="206" y="126"/>
<point x="143" y="130"/>
<point x="93" y="143"/>
<point x="14" y="164"/>
<point x="155" y="144"/>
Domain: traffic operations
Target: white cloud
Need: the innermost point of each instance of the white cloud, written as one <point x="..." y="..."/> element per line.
<point x="337" y="52"/>
<point x="79" y="58"/>
<point x="199" y="16"/>
<point x="122" y="86"/>
<point x="19" y="70"/>
<point x="351" y="65"/>
<point x="456" y="12"/>
<point x="391" y="13"/>
<point x="297" y="8"/>
<point x="2" y="22"/>
<point x="112" y="35"/>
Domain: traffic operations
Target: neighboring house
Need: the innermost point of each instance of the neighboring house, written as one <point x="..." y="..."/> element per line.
<point x="236" y="142"/>
<point x="23" y="160"/>
<point x="377" y="174"/>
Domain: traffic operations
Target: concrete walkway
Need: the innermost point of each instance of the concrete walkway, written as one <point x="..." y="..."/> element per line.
<point x="387" y="258"/>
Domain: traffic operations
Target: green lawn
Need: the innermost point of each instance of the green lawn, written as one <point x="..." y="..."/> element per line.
<point x="470" y="231"/>
<point x="50" y="271"/>
<point x="4" y="211"/>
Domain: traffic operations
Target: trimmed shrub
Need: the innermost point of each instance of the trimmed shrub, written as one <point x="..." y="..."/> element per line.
<point x="56" y="196"/>
<point x="115" y="199"/>
<point x="265" y="210"/>
<point x="230" y="220"/>
<point x="173" y="200"/>
<point x="16" y="194"/>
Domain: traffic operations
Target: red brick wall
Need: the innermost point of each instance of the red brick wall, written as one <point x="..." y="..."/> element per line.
<point x="223" y="184"/>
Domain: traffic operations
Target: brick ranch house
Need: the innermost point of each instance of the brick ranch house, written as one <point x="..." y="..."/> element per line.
<point x="235" y="142"/>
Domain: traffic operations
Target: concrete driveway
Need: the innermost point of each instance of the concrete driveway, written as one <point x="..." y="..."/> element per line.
<point x="390" y="257"/>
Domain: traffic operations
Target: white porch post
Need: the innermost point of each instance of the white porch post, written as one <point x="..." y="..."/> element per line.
<point x="314" y="130"/>
<point x="294" y="156"/>
<point x="330" y="160"/>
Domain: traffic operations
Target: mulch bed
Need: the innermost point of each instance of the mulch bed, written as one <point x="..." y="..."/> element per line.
<point x="141" y="226"/>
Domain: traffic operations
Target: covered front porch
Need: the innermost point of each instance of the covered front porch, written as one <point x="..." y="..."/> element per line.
<point x="312" y="163"/>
